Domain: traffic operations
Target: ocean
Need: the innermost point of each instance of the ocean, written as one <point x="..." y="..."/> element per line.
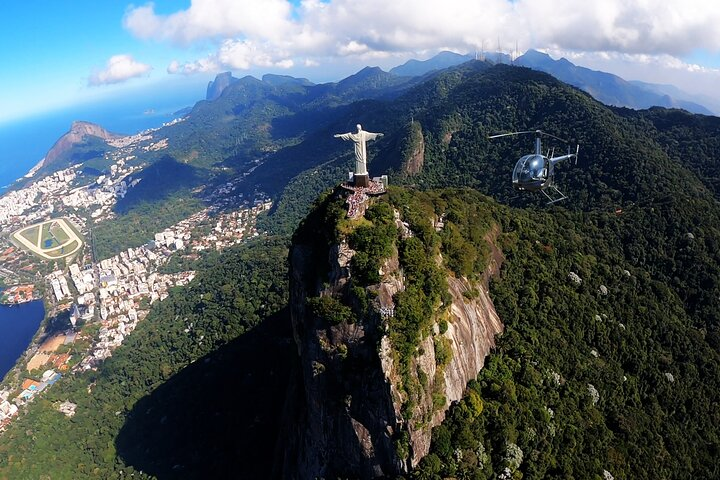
<point x="18" y="324"/>
<point x="23" y="143"/>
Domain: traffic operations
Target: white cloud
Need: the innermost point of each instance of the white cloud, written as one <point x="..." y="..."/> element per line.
<point x="281" y="34"/>
<point x="211" y="19"/>
<point x="119" y="68"/>
<point x="235" y="55"/>
<point x="674" y="27"/>
<point x="346" y="27"/>
<point x="189" y="68"/>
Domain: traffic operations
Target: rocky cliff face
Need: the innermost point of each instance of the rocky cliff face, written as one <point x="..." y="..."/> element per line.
<point x="472" y="324"/>
<point x="79" y="131"/>
<point x="414" y="150"/>
<point x="341" y="418"/>
<point x="216" y="87"/>
<point x="352" y="410"/>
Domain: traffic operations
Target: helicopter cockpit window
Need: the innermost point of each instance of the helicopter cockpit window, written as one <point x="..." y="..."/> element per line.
<point x="530" y="168"/>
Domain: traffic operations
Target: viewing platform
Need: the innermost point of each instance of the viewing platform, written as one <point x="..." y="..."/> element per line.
<point x="357" y="200"/>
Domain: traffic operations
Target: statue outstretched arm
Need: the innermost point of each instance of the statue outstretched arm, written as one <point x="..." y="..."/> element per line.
<point x="344" y="136"/>
<point x="373" y="136"/>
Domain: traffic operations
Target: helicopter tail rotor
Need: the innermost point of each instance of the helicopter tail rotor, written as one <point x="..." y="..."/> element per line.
<point x="573" y="154"/>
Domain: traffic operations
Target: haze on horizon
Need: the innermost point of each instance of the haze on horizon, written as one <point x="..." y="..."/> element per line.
<point x="79" y="51"/>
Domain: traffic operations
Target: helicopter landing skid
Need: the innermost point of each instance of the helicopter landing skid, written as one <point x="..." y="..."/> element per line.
<point x="552" y="197"/>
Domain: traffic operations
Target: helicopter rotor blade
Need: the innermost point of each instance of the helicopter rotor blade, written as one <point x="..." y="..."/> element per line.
<point x="540" y="132"/>
<point x="510" y="134"/>
<point x="536" y="132"/>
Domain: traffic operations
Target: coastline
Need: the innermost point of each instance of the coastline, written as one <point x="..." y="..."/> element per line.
<point x="32" y="171"/>
<point x="18" y="294"/>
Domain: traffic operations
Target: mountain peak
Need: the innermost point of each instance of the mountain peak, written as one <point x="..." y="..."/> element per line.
<point x="221" y="82"/>
<point x="89" y="128"/>
<point x="532" y="53"/>
<point x="276" y="80"/>
<point x="368" y="71"/>
<point x="444" y="59"/>
<point x="79" y="132"/>
<point x="364" y="75"/>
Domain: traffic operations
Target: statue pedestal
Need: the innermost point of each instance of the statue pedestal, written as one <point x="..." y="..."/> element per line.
<point x="361" y="180"/>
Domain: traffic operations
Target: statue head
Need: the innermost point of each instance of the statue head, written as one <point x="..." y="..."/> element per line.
<point x="359" y="127"/>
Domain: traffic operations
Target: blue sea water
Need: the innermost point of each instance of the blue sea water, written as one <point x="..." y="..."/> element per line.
<point x="18" y="324"/>
<point x="23" y="143"/>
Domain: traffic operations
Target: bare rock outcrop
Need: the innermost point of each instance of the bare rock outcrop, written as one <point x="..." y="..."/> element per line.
<point x="413" y="150"/>
<point x="350" y="412"/>
<point x="472" y="335"/>
<point x="217" y="86"/>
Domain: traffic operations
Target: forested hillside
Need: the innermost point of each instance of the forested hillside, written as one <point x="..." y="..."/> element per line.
<point x="612" y="369"/>
<point x="192" y="393"/>
<point x="610" y="357"/>
<point x="641" y="222"/>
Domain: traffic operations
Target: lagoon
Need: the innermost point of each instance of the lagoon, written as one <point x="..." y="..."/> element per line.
<point x="18" y="325"/>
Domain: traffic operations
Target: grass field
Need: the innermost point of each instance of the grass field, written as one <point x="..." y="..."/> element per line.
<point x="58" y="231"/>
<point x="61" y="252"/>
<point x="47" y="239"/>
<point x="30" y="234"/>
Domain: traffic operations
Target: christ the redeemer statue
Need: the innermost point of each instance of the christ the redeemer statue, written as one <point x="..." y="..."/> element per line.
<point x="359" y="138"/>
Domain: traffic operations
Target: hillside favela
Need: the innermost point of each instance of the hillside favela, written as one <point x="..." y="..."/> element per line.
<point x="275" y="239"/>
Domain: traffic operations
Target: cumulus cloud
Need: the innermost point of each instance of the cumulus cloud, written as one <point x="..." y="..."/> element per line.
<point x="316" y="27"/>
<point x="119" y="68"/>
<point x="211" y="19"/>
<point x="672" y="27"/>
<point x="235" y="55"/>
<point x="282" y="33"/>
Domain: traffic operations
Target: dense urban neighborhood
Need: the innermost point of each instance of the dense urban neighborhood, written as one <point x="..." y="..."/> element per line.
<point x="99" y="301"/>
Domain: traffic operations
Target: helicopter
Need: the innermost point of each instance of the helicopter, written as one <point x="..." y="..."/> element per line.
<point x="535" y="171"/>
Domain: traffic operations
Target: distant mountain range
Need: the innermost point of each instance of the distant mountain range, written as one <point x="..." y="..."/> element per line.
<point x="416" y="68"/>
<point x="711" y="103"/>
<point x="608" y="88"/>
<point x="225" y="79"/>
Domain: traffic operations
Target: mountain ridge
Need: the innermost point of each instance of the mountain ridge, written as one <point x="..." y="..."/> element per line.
<point x="606" y="87"/>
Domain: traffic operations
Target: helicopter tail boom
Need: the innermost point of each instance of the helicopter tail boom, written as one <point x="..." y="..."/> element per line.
<point x="555" y="160"/>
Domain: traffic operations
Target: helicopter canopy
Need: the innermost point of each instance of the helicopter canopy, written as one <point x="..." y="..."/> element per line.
<point x="530" y="171"/>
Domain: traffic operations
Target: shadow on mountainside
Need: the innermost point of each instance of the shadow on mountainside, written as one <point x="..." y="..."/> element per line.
<point x="159" y="181"/>
<point x="219" y="417"/>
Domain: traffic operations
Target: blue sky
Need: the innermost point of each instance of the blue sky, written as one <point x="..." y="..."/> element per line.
<point x="63" y="52"/>
<point x="49" y="52"/>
